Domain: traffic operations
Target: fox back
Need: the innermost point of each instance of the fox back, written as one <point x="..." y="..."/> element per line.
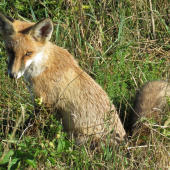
<point x="57" y="79"/>
<point x="151" y="102"/>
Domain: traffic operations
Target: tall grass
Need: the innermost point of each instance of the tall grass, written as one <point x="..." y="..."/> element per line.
<point x="122" y="45"/>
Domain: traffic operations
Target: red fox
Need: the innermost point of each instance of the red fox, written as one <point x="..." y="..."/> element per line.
<point x="57" y="79"/>
<point x="150" y="102"/>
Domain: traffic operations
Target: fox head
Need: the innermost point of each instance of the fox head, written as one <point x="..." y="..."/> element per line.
<point x="24" y="42"/>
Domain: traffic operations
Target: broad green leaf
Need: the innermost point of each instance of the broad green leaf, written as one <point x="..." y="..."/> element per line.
<point x="52" y="160"/>
<point x="60" y="146"/>
<point x="14" y="164"/>
<point x="6" y="157"/>
<point x="33" y="163"/>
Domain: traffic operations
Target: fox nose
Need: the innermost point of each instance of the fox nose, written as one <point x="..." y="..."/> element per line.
<point x="13" y="75"/>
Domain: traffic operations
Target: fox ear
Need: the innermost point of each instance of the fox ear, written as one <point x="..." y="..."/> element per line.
<point x="6" y="26"/>
<point x="42" y="31"/>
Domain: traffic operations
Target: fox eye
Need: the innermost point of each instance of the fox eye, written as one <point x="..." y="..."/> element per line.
<point x="28" y="53"/>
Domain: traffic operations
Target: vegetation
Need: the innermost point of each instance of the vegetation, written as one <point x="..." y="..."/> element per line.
<point x="122" y="45"/>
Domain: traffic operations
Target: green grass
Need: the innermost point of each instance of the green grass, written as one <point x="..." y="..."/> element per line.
<point x="113" y="42"/>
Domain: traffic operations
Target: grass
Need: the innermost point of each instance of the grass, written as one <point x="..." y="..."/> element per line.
<point x="114" y="42"/>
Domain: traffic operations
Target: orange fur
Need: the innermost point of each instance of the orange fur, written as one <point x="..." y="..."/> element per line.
<point x="55" y="76"/>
